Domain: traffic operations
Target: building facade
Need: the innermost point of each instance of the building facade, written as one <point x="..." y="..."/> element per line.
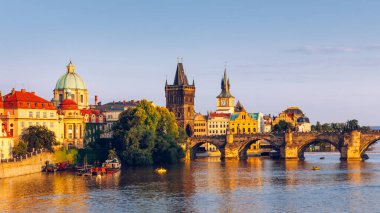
<point x="22" y="109"/>
<point x="295" y="117"/>
<point x="94" y="125"/>
<point x="180" y="100"/>
<point x="218" y="123"/>
<point x="244" y="123"/>
<point x="72" y="124"/>
<point x="200" y="125"/>
<point x="71" y="83"/>
<point x="6" y="143"/>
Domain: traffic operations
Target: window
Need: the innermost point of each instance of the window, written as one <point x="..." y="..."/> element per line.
<point x="51" y="125"/>
<point x="30" y="114"/>
<point x="30" y="123"/>
<point x="37" y="123"/>
<point x="45" y="124"/>
<point x="38" y="114"/>
<point x="22" y="124"/>
<point x="81" y="99"/>
<point x="60" y="97"/>
<point x="70" y="132"/>
<point x="52" y="114"/>
<point x="45" y="114"/>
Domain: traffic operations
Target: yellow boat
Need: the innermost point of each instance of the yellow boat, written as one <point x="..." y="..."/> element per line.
<point x="316" y="168"/>
<point x="161" y="171"/>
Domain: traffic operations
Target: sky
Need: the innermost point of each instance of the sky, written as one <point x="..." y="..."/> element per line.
<point x="323" y="56"/>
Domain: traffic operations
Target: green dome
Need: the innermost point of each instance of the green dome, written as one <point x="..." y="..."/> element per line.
<point x="70" y="80"/>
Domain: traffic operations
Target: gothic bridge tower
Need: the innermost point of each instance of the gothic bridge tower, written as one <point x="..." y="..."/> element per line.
<point x="180" y="99"/>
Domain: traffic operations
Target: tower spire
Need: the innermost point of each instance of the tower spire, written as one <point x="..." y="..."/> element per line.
<point x="70" y="67"/>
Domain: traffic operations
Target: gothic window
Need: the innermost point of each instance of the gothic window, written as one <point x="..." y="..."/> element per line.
<point x="81" y="99"/>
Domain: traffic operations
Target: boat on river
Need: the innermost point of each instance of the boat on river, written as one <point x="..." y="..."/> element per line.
<point x="316" y="168"/>
<point x="160" y="171"/>
<point x="111" y="165"/>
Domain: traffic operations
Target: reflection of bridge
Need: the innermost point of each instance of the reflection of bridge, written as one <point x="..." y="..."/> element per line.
<point x="290" y="145"/>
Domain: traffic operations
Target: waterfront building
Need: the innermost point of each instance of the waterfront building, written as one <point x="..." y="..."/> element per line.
<point x="72" y="123"/>
<point x="71" y="83"/>
<point x="267" y="123"/>
<point x="6" y="141"/>
<point x="21" y="109"/>
<point x="111" y="112"/>
<point x="200" y="125"/>
<point x="243" y="122"/>
<point x="294" y="116"/>
<point x="180" y="100"/>
<point x="303" y="124"/>
<point x="218" y="123"/>
<point x="95" y="123"/>
<point x="225" y="102"/>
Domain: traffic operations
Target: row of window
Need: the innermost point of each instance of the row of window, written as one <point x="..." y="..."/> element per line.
<point x="242" y="130"/>
<point x="200" y="124"/>
<point x="39" y="114"/>
<point x="217" y="131"/>
<point x="199" y="130"/>
<point x="218" y="126"/>
<point x="23" y="124"/>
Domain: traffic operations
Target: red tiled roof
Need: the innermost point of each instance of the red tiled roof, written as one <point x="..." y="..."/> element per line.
<point x="26" y="100"/>
<point x="90" y="112"/>
<point x="68" y="104"/>
<point x="214" y="114"/>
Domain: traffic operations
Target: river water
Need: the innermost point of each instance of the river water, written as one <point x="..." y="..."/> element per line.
<point x="206" y="185"/>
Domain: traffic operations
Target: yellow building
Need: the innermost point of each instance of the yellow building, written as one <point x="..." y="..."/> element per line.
<point x="294" y="116"/>
<point x="6" y="143"/>
<point x="244" y="123"/>
<point x="200" y="125"/>
<point x="22" y="109"/>
<point x="73" y="84"/>
<point x="72" y="124"/>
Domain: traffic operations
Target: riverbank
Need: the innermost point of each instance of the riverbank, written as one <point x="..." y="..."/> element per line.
<point x="27" y="166"/>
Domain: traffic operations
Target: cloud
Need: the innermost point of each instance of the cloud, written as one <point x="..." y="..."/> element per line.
<point x="320" y="50"/>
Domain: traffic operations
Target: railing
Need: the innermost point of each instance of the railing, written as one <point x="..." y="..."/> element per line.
<point x="23" y="157"/>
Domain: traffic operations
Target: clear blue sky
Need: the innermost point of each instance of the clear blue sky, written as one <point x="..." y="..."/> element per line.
<point x="323" y="56"/>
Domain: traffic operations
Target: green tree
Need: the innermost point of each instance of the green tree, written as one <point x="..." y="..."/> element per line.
<point x="20" y="149"/>
<point x="146" y="134"/>
<point x="282" y="126"/>
<point x="37" y="137"/>
<point x="318" y="127"/>
<point x="352" y="125"/>
<point x="112" y="154"/>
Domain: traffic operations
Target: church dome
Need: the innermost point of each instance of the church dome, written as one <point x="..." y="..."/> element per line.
<point x="70" y="80"/>
<point x="293" y="110"/>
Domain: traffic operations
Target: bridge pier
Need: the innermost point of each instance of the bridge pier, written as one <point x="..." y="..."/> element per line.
<point x="353" y="148"/>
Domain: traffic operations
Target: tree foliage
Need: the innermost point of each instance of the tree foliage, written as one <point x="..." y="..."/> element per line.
<point x="349" y="126"/>
<point x="282" y="126"/>
<point x="38" y="137"/>
<point x="20" y="149"/>
<point x="146" y="134"/>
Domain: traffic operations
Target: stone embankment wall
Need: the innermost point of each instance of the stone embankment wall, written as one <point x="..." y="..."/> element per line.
<point x="27" y="166"/>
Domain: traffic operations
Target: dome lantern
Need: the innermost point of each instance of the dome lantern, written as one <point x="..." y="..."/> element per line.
<point x="70" y="68"/>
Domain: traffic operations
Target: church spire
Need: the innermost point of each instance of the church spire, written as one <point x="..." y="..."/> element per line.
<point x="225" y="86"/>
<point x="180" y="76"/>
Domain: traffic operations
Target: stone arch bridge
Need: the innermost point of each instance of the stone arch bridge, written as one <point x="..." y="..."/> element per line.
<point x="290" y="145"/>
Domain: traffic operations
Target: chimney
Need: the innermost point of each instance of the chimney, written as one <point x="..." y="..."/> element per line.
<point x="13" y="91"/>
<point x="23" y="90"/>
<point x="33" y="93"/>
<point x="96" y="100"/>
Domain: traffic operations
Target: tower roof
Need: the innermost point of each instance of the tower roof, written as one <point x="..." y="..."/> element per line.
<point x="225" y="86"/>
<point x="180" y="76"/>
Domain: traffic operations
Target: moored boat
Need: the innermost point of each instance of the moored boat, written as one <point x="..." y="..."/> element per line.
<point x="112" y="165"/>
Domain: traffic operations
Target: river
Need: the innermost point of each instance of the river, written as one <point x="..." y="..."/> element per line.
<point x="206" y="185"/>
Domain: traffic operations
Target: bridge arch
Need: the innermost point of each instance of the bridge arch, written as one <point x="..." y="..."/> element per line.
<point x="365" y="146"/>
<point x="307" y="144"/>
<point x="193" y="148"/>
<point x="245" y="146"/>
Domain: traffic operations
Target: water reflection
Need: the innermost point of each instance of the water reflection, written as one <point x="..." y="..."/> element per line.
<point x="206" y="185"/>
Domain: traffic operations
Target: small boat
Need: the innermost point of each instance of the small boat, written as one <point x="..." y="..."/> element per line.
<point x="112" y="165"/>
<point x="322" y="158"/>
<point x="51" y="168"/>
<point x="316" y="168"/>
<point x="84" y="172"/>
<point x="160" y="171"/>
